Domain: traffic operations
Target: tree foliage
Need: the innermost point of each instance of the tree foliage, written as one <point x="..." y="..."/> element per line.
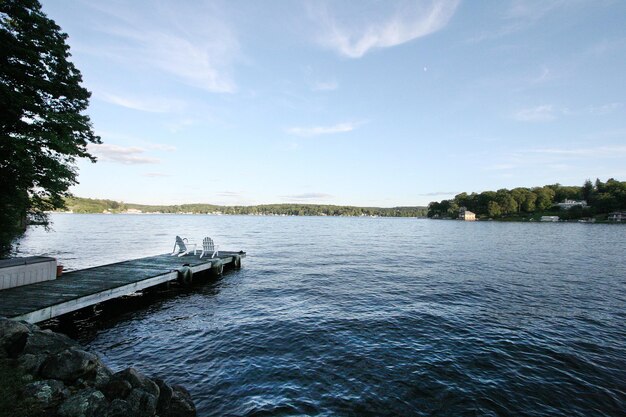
<point x="43" y="128"/>
<point x="88" y="205"/>
<point x="602" y="198"/>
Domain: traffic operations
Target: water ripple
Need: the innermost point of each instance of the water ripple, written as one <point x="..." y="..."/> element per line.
<point x="374" y="317"/>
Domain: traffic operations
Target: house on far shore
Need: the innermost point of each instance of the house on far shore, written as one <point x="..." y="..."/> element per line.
<point x="568" y="204"/>
<point x="617" y="216"/>
<point x="549" y="218"/>
<point x="465" y="214"/>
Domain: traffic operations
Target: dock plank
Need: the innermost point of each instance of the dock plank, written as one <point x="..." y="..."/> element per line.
<point x="81" y="288"/>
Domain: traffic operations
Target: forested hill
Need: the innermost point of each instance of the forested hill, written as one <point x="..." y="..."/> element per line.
<point x="601" y="198"/>
<point x="88" y="205"/>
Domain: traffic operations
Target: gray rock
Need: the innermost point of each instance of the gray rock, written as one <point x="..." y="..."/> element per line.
<point x="85" y="403"/>
<point x="142" y="403"/>
<point x="165" y="396"/>
<point x="181" y="404"/>
<point x="138" y="380"/>
<point x="69" y="365"/>
<point x="47" y="393"/>
<point x="102" y="377"/>
<point x="13" y="335"/>
<point x="119" y="408"/>
<point x="46" y="341"/>
<point x="31" y="363"/>
<point x="117" y="388"/>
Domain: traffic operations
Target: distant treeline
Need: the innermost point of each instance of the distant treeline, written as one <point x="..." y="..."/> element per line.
<point x="88" y="205"/>
<point x="602" y="198"/>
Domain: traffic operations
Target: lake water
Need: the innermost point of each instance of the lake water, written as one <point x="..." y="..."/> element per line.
<point x="362" y="316"/>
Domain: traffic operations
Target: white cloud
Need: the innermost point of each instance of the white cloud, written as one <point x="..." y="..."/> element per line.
<point x="519" y="16"/>
<point x="325" y="86"/>
<point x="162" y="147"/>
<point x="605" y="108"/>
<point x="438" y="193"/>
<point x="599" y="151"/>
<point x="131" y="155"/>
<point x="548" y="112"/>
<point x="500" y="167"/>
<point x="228" y="194"/>
<point x="188" y="41"/>
<point x="543" y="113"/>
<point x="533" y="9"/>
<point x="151" y="105"/>
<point x="156" y="174"/>
<point x="321" y="130"/>
<point x="557" y="158"/>
<point x="308" y="196"/>
<point x="410" y="21"/>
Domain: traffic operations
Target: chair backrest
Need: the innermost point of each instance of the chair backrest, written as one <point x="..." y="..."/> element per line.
<point x="207" y="244"/>
<point x="181" y="243"/>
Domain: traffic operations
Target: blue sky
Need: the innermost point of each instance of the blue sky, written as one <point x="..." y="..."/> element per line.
<point x="370" y="103"/>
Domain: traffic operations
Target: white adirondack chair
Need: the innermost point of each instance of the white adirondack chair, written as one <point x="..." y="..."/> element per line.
<point x="184" y="247"/>
<point x="209" y="247"/>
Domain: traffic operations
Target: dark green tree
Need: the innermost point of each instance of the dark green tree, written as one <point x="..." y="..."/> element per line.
<point x="43" y="128"/>
<point x="587" y="190"/>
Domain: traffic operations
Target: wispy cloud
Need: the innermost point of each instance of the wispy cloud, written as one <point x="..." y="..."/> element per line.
<point x="605" y="108"/>
<point x="411" y="20"/>
<point x="532" y="9"/>
<point x="143" y="144"/>
<point x="228" y="194"/>
<point x="162" y="147"/>
<point x="499" y="167"/>
<point x="520" y="15"/>
<point x="325" y="86"/>
<point x="542" y="113"/>
<point x="156" y="174"/>
<point x="549" y="112"/>
<point x="438" y="193"/>
<point x="195" y="46"/>
<point x="322" y="130"/>
<point x="556" y="158"/>
<point x="132" y="155"/>
<point x="599" y="151"/>
<point x="181" y="124"/>
<point x="308" y="196"/>
<point x="151" y="105"/>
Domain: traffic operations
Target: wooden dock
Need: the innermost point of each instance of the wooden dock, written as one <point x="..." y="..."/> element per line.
<point x="86" y="287"/>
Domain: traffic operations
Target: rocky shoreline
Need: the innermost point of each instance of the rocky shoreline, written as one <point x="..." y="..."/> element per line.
<point x="50" y="375"/>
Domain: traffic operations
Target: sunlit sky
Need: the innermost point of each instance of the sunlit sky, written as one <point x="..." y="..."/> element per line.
<point x="370" y="103"/>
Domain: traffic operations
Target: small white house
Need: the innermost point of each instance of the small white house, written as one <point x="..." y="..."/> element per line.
<point x="465" y="214"/>
<point x="568" y="204"/>
<point x="617" y="216"/>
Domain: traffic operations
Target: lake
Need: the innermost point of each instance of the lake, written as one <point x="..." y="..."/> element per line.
<point x="371" y="316"/>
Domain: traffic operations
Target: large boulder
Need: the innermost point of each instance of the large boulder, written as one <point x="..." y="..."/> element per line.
<point x="117" y="388"/>
<point x="87" y="402"/>
<point x="46" y="394"/>
<point x="138" y="380"/>
<point x="102" y="377"/>
<point x="69" y="365"/>
<point x="119" y="408"/>
<point x="181" y="404"/>
<point x="165" y="396"/>
<point x="31" y="363"/>
<point x="142" y="403"/>
<point x="46" y="341"/>
<point x="13" y="336"/>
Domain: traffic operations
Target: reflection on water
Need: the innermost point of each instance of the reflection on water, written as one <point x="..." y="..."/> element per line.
<point x="360" y="316"/>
